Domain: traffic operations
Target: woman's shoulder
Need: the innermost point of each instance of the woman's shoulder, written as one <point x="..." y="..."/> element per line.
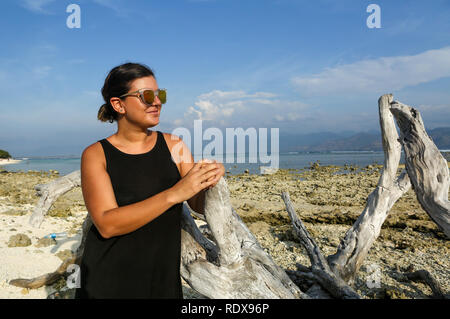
<point x="170" y="136"/>
<point x="93" y="152"/>
<point x="171" y="139"/>
<point x="181" y="155"/>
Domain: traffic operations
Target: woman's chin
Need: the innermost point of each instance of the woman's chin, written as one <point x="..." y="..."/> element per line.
<point x="152" y="122"/>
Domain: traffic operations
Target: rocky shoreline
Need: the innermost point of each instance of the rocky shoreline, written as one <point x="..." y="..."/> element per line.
<point x="328" y="200"/>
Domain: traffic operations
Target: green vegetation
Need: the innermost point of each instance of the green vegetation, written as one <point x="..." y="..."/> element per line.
<point x="4" y="154"/>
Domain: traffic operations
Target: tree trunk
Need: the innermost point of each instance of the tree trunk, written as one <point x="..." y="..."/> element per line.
<point x="234" y="265"/>
<point x="427" y="168"/>
<point x="50" y="192"/>
<point x="355" y="246"/>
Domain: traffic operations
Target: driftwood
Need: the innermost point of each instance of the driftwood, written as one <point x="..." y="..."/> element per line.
<point x="425" y="277"/>
<point x="359" y="238"/>
<point x="224" y="259"/>
<point x="234" y="265"/>
<point x="47" y="279"/>
<point x="426" y="166"/>
<point x="320" y="269"/>
<point x="50" y="192"/>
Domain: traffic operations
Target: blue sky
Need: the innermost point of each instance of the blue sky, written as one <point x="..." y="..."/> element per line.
<point x="300" y="66"/>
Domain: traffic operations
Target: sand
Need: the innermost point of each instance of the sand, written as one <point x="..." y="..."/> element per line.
<point x="327" y="199"/>
<point x="9" y="161"/>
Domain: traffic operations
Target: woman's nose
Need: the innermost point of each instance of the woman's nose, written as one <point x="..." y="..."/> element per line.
<point x="157" y="100"/>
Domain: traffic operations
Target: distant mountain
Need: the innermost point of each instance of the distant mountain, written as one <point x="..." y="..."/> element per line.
<point x="441" y="137"/>
<point x="307" y="142"/>
<point x="349" y="141"/>
<point x="357" y="142"/>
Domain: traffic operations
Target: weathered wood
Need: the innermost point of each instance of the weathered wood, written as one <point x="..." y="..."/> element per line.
<point x="218" y="215"/>
<point x="194" y="244"/>
<point x="355" y="246"/>
<point x="47" y="279"/>
<point x="331" y="282"/>
<point x="50" y="192"/>
<point x="242" y="269"/>
<point x="425" y="277"/>
<point x="427" y="168"/>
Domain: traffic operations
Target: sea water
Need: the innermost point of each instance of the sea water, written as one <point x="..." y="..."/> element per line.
<point x="63" y="165"/>
<point x="242" y="162"/>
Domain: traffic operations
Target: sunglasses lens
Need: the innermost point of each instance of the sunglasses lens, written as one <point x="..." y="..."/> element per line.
<point x="162" y="95"/>
<point x="149" y="96"/>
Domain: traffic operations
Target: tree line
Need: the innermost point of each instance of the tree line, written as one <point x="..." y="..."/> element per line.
<point x="4" y="154"/>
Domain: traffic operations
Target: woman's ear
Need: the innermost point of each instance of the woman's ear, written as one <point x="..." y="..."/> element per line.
<point x="116" y="103"/>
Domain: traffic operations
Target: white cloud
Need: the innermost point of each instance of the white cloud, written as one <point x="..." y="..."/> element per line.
<point x="222" y="95"/>
<point x="239" y="109"/>
<point x="36" y="6"/>
<point x="434" y="110"/>
<point x="378" y="75"/>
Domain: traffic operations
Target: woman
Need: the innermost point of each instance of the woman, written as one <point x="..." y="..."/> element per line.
<point x="133" y="186"/>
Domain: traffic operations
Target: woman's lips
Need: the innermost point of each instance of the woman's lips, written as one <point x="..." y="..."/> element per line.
<point x="152" y="110"/>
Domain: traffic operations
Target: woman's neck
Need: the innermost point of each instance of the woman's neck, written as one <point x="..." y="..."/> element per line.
<point x="128" y="134"/>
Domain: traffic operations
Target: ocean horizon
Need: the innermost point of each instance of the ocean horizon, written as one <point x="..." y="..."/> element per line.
<point x="287" y="160"/>
<point x="66" y="164"/>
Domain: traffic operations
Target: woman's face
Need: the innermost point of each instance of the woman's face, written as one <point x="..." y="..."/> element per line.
<point x="138" y="112"/>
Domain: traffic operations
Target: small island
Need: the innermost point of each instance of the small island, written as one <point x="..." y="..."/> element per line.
<point x="6" y="158"/>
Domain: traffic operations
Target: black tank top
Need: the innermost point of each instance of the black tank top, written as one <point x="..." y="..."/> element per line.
<point x="146" y="262"/>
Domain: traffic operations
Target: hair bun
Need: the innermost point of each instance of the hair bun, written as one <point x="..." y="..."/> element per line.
<point x="105" y="114"/>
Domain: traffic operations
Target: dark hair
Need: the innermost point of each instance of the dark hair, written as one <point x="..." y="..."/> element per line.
<point x="117" y="83"/>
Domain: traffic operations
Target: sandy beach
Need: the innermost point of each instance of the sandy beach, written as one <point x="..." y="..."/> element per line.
<point x="4" y="161"/>
<point x="327" y="199"/>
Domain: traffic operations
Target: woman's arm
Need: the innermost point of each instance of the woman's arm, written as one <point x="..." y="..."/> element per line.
<point x="197" y="203"/>
<point x="185" y="161"/>
<point x="101" y="204"/>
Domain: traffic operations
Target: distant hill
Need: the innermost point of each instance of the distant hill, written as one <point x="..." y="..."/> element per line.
<point x="4" y="154"/>
<point x="350" y="141"/>
<point x="357" y="142"/>
<point x="441" y="137"/>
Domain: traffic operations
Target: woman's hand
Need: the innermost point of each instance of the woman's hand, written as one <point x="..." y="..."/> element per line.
<point x="220" y="171"/>
<point x="201" y="176"/>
